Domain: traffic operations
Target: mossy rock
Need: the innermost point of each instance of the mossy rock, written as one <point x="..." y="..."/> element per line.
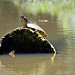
<point x="25" y="40"/>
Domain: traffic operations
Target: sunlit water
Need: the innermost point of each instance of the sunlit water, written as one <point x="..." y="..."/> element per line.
<point x="60" y="33"/>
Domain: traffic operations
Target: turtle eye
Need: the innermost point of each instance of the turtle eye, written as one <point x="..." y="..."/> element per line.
<point x="22" y="16"/>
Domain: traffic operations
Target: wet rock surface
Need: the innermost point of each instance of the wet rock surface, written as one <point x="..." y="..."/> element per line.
<point x="25" y="40"/>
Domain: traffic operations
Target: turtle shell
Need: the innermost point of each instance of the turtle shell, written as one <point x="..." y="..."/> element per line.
<point x="39" y="29"/>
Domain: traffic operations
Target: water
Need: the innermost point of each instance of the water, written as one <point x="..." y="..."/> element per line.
<point x="61" y="33"/>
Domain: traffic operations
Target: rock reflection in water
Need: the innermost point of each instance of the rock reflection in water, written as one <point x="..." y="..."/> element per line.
<point x="24" y="64"/>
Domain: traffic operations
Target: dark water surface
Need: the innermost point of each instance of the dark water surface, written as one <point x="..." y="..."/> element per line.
<point x="61" y="33"/>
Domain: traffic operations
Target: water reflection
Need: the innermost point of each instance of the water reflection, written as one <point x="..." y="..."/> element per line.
<point x="21" y="64"/>
<point x="45" y="6"/>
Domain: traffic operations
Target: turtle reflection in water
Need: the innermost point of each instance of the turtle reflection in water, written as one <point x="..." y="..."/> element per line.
<point x="25" y="40"/>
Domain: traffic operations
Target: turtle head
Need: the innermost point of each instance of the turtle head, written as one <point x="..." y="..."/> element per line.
<point x="24" y="21"/>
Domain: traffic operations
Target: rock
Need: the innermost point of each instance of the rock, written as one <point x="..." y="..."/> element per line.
<point x="25" y="40"/>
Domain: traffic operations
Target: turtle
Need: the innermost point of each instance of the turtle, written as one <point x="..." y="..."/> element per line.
<point x="34" y="27"/>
